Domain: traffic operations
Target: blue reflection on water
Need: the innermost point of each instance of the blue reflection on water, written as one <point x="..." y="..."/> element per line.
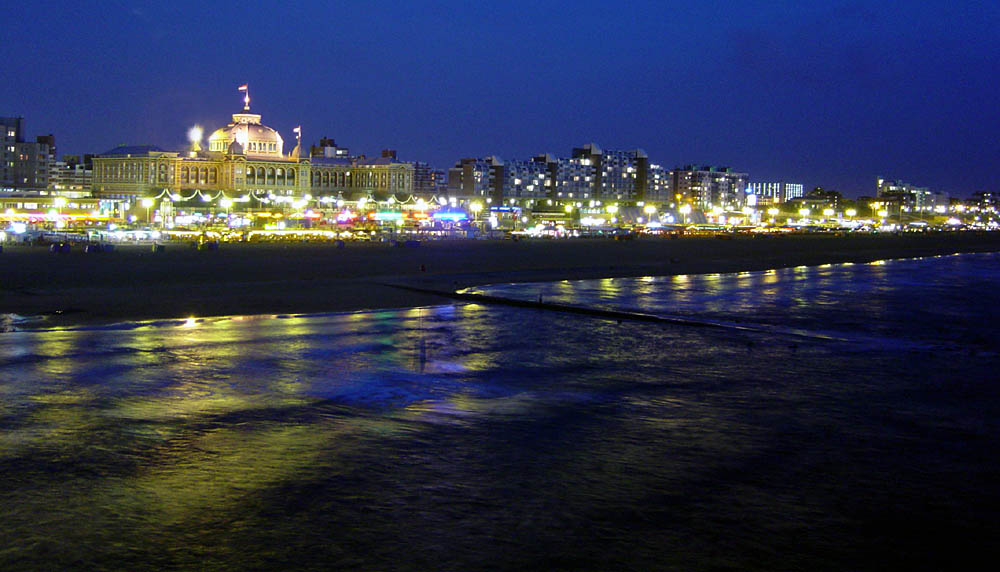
<point x="454" y="436"/>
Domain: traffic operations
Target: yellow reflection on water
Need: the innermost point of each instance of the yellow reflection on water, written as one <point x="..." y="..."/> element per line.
<point x="61" y="346"/>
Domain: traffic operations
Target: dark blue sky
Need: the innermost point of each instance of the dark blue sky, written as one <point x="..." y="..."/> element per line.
<point x="833" y="95"/>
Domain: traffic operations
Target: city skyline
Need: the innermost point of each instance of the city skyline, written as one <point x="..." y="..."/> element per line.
<point x="831" y="97"/>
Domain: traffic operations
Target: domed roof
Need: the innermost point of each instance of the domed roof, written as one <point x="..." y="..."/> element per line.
<point x="257" y="140"/>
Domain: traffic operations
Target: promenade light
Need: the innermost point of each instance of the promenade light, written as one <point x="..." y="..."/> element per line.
<point x="148" y="203"/>
<point x="225" y="203"/>
<point x="773" y="211"/>
<point x="685" y="209"/>
<point x="612" y="209"/>
<point x="804" y="212"/>
<point x="59" y="202"/>
<point x="827" y="212"/>
<point x="568" y="208"/>
<point x="476" y="207"/>
<point x="649" y="209"/>
<point x="851" y="212"/>
<point x="883" y="213"/>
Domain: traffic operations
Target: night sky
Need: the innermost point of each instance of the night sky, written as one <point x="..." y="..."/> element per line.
<point x="832" y="95"/>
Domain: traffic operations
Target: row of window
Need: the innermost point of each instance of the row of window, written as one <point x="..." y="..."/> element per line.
<point x="270" y="176"/>
<point x="204" y="176"/>
<point x="360" y="179"/>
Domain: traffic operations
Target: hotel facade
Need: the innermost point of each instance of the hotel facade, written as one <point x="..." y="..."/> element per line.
<point x="245" y="162"/>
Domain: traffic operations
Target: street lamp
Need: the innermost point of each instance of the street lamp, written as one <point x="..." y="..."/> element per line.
<point x="684" y="210"/>
<point x="476" y="207"/>
<point x="225" y="203"/>
<point x="148" y="203"/>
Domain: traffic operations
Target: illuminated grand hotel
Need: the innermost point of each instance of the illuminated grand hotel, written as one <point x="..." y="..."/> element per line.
<point x="246" y="166"/>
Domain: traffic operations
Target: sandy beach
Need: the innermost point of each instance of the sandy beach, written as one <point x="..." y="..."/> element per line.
<point x="134" y="283"/>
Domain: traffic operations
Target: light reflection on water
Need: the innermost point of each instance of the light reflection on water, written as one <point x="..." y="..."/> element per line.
<point x="450" y="437"/>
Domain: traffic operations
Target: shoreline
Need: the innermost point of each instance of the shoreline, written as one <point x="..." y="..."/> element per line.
<point x="56" y="291"/>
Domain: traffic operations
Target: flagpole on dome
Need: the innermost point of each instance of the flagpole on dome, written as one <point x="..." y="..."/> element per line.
<point x="246" y="98"/>
<point x="296" y="153"/>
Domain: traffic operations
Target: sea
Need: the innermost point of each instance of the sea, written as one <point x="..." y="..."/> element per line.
<point x="839" y="417"/>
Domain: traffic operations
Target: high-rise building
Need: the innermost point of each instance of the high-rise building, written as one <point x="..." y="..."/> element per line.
<point x="427" y="181"/>
<point x="775" y="193"/>
<point x="26" y="164"/>
<point x="911" y="197"/>
<point x="72" y="176"/>
<point x="11" y="128"/>
<point x="329" y="149"/>
<point x="483" y="177"/>
<point x="709" y="187"/>
<point x="532" y="178"/>
<point x="590" y="173"/>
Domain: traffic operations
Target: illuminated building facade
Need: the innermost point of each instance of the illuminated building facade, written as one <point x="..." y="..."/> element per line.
<point x="245" y="161"/>
<point x="775" y="193"/>
<point x="11" y="130"/>
<point x="708" y="187"/>
<point x="26" y="164"/>
<point x="72" y="176"/>
<point x="589" y="173"/>
<point x="910" y="197"/>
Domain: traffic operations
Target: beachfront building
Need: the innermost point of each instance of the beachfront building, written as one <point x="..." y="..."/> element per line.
<point x="775" y="193"/>
<point x="910" y="198"/>
<point x="10" y="133"/>
<point x="72" y="176"/>
<point x="708" y="188"/>
<point x="533" y="178"/>
<point x="26" y="164"/>
<point x="589" y="173"/>
<point x="565" y="189"/>
<point x="245" y="167"/>
<point x="481" y="178"/>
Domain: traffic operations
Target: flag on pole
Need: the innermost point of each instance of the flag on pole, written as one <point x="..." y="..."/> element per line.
<point x="297" y="130"/>
<point x="244" y="87"/>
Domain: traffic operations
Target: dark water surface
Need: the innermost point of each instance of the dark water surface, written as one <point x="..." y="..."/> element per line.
<point x="481" y="438"/>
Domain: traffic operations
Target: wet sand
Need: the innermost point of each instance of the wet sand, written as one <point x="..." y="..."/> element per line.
<point x="134" y="283"/>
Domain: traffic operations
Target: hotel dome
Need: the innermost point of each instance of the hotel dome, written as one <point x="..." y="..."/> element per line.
<point x="256" y="139"/>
